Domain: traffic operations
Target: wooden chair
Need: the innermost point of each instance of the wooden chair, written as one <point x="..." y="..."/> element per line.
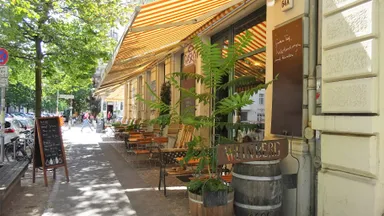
<point x="168" y="156"/>
<point x="158" y="142"/>
<point x="130" y="139"/>
<point x="142" y="148"/>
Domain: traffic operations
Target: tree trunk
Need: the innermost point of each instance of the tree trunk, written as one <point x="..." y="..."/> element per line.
<point x="38" y="72"/>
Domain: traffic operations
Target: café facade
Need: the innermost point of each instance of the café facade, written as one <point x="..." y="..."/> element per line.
<point x="326" y="99"/>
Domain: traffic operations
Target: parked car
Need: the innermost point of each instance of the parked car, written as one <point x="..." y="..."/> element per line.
<point x="11" y="131"/>
<point x="26" y="123"/>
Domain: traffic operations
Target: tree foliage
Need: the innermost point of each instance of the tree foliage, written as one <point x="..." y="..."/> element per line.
<point x="58" y="41"/>
<point x="20" y="95"/>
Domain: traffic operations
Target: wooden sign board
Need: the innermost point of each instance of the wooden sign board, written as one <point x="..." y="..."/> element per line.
<point x="49" y="147"/>
<point x="189" y="66"/>
<point x="287" y="100"/>
<point x="254" y="151"/>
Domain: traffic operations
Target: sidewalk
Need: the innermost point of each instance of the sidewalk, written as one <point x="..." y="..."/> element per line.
<point x="93" y="188"/>
<point x="102" y="182"/>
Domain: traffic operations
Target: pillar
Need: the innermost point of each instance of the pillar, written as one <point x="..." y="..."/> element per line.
<point x="125" y="102"/>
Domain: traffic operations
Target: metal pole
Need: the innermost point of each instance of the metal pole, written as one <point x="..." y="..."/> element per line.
<point x="70" y="115"/>
<point x="2" y="121"/>
<point x="57" y="103"/>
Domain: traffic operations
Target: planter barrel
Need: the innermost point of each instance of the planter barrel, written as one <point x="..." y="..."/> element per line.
<point x="197" y="208"/>
<point x="258" y="188"/>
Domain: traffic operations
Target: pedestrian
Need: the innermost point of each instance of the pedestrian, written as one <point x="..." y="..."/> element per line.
<point x="109" y="116"/>
<point x="86" y="122"/>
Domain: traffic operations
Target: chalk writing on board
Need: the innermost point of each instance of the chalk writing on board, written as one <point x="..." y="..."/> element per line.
<point x="286" y="48"/>
<point x="51" y="141"/>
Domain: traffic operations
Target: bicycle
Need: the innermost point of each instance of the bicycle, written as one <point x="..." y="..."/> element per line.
<point x="20" y="149"/>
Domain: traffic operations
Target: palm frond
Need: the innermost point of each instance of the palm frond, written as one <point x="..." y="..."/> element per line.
<point x="233" y="102"/>
<point x="241" y="82"/>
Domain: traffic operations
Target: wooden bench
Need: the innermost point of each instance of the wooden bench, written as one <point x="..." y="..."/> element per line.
<point x="10" y="181"/>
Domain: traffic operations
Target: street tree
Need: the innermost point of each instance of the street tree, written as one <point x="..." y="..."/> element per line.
<point x="62" y="39"/>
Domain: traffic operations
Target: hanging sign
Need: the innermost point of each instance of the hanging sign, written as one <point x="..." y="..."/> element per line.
<point x="66" y="96"/>
<point x="266" y="150"/>
<point x="3" y="56"/>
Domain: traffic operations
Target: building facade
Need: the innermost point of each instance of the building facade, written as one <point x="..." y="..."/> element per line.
<point x="325" y="100"/>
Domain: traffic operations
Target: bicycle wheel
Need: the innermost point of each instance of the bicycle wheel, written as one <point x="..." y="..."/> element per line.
<point x="19" y="156"/>
<point x="29" y="152"/>
<point x="22" y="155"/>
<point x="8" y="153"/>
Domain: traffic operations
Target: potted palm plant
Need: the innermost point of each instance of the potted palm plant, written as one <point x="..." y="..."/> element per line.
<point x="209" y="195"/>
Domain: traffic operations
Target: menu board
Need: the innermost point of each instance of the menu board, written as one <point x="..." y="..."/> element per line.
<point x="287" y="99"/>
<point x="51" y="144"/>
<point x="49" y="149"/>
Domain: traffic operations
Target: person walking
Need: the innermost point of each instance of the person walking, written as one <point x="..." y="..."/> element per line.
<point x="86" y="122"/>
<point x="109" y="116"/>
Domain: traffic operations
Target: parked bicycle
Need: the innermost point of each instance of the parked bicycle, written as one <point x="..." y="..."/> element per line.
<point x="20" y="149"/>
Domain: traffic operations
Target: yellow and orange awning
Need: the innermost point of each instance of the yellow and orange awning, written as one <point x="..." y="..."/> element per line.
<point x="157" y="29"/>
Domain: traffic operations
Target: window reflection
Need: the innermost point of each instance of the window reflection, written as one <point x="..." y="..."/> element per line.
<point x="252" y="64"/>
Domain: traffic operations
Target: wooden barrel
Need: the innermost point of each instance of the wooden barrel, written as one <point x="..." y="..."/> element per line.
<point x="197" y="208"/>
<point x="258" y="188"/>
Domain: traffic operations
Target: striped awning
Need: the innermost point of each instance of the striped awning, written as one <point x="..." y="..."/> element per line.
<point x="159" y="28"/>
<point x="115" y="95"/>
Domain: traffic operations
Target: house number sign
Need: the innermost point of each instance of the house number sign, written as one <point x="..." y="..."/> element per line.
<point x="286" y="5"/>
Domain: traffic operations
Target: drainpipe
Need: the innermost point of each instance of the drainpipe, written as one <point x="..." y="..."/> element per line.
<point x="311" y="89"/>
<point x="317" y="159"/>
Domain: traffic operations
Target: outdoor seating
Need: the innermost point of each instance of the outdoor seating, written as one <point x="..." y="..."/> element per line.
<point x="130" y="139"/>
<point x="149" y="146"/>
<point x="170" y="157"/>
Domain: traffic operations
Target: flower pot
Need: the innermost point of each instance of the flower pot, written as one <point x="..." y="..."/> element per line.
<point x="197" y="208"/>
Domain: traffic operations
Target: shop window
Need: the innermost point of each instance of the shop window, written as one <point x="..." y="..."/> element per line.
<point x="251" y="64"/>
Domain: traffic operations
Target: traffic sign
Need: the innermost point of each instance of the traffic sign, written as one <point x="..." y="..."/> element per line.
<point x="3" y="56"/>
<point x="3" y="76"/>
<point x="67" y="96"/>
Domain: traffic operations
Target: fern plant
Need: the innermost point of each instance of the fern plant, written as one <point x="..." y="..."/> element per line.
<point x="215" y="67"/>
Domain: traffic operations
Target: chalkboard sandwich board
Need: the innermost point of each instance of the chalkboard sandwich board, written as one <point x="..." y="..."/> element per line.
<point x="49" y="151"/>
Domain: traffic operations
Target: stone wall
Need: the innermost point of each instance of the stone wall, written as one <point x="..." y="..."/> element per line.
<point x="351" y="178"/>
